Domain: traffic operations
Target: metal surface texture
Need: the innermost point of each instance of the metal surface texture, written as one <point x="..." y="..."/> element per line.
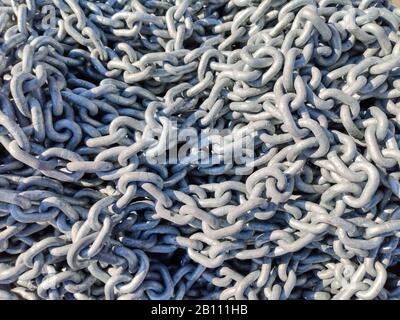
<point x="95" y="202"/>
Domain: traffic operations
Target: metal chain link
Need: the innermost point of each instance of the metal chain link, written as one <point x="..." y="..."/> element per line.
<point x="107" y="192"/>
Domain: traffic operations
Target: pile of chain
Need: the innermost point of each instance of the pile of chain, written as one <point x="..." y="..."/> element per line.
<point x="91" y="90"/>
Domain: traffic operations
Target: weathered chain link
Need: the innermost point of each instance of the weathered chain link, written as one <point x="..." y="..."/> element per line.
<point x="90" y="95"/>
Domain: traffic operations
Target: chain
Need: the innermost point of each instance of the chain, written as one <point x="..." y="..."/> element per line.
<point x="199" y="149"/>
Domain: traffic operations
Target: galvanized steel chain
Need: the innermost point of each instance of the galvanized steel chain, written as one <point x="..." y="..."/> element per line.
<point x="199" y="149"/>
